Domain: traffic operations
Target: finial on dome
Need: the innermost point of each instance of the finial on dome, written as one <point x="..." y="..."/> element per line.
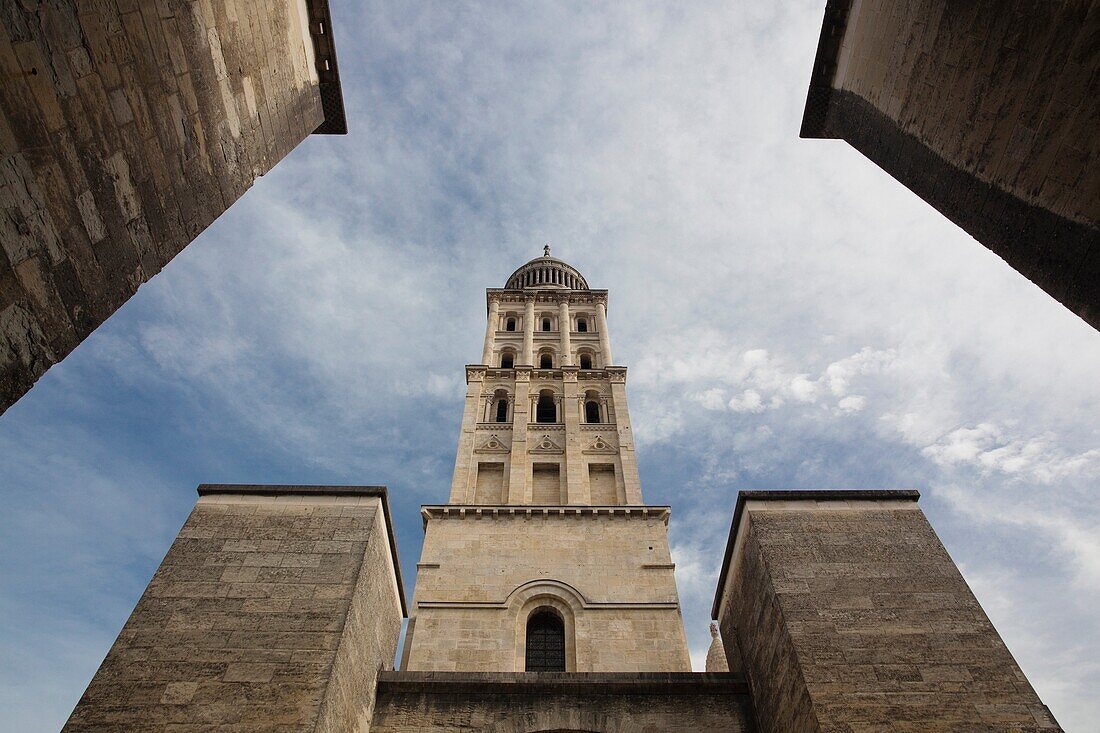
<point x="546" y="250"/>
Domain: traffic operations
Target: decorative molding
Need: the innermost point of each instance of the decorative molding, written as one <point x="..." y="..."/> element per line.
<point x="475" y="373"/>
<point x="569" y="374"/>
<point x="492" y="445"/>
<point x="546" y="445"/>
<point x="617" y="374"/>
<point x="600" y="446"/>
<point x="531" y="511"/>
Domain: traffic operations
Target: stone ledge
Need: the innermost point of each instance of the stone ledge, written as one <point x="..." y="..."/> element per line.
<point x="487" y="684"/>
<point x="284" y="490"/>
<point x="807" y="495"/>
<point x="479" y="511"/>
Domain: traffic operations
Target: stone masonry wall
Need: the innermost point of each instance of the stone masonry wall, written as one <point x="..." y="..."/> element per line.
<point x="269" y="613"/>
<point x="126" y="128"/>
<point x="610" y="576"/>
<point x="987" y="111"/>
<point x="852" y="616"/>
<point x="599" y="703"/>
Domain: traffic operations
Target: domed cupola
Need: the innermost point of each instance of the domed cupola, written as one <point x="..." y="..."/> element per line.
<point x="547" y="272"/>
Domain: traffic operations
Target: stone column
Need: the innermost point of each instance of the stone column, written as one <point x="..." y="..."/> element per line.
<point x="563" y="329"/>
<point x="490" y="332"/>
<point x="517" y="458"/>
<point x="605" y="337"/>
<point x="258" y="619"/>
<point x="528" y="358"/>
<point x="576" y="490"/>
<point x="850" y="615"/>
<point x="472" y="414"/>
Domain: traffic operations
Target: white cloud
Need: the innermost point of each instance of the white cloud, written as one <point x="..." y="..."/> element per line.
<point x="747" y="401"/>
<point x="790" y="314"/>
<point x="988" y="447"/>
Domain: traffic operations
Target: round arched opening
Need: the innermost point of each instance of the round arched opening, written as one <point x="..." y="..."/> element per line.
<point x="545" y="641"/>
<point x="546" y="409"/>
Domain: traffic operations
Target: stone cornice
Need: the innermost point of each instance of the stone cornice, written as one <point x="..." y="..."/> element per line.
<point x="507" y="295"/>
<point x="481" y="372"/>
<point x="549" y="511"/>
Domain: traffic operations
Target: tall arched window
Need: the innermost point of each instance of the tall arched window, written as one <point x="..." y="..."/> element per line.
<point x="502" y="410"/>
<point x="546" y="361"/>
<point x="545" y="647"/>
<point x="546" y="410"/>
<point x="582" y="325"/>
<point x="507" y="360"/>
<point x="592" y="411"/>
<point x="586" y="361"/>
<point x="510" y="324"/>
<point x="545" y="324"/>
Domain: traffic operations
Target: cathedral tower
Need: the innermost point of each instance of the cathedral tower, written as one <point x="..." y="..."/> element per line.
<point x="546" y="558"/>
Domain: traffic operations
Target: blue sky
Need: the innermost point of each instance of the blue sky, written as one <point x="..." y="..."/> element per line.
<point x="792" y="318"/>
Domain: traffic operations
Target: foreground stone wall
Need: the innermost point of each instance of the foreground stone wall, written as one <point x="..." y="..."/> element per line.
<point x="274" y="609"/>
<point x="126" y="128"/>
<point x="850" y="615"/>
<point x="608" y="572"/>
<point x="599" y="703"/>
<point x="988" y="112"/>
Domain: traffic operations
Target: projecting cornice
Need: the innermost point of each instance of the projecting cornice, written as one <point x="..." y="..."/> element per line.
<point x="534" y="511"/>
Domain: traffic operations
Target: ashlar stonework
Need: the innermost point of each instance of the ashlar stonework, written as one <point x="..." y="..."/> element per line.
<point x="545" y="595"/>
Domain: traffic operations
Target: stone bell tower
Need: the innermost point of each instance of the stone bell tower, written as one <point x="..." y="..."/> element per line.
<point x="546" y="558"/>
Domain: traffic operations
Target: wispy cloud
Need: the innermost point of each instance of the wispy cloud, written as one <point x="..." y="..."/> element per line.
<point x="791" y="316"/>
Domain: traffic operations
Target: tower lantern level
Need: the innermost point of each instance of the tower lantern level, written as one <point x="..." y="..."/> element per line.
<point x="546" y="557"/>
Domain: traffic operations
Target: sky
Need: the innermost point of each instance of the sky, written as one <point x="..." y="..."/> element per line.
<point x="791" y="317"/>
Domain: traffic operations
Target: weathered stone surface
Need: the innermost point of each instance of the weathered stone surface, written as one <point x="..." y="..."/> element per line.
<point x="851" y="616"/>
<point x="608" y="573"/>
<point x="274" y="610"/>
<point x="126" y="128"/>
<point x="522" y="702"/>
<point x="988" y="112"/>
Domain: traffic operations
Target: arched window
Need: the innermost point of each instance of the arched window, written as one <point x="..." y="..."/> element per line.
<point x="507" y="360"/>
<point x="592" y="411"/>
<point x="586" y="361"/>
<point x="582" y="325"/>
<point x="546" y="410"/>
<point x="510" y="324"/>
<point x="546" y="361"/>
<point x="545" y="324"/>
<point x="502" y="410"/>
<point x="545" y="648"/>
